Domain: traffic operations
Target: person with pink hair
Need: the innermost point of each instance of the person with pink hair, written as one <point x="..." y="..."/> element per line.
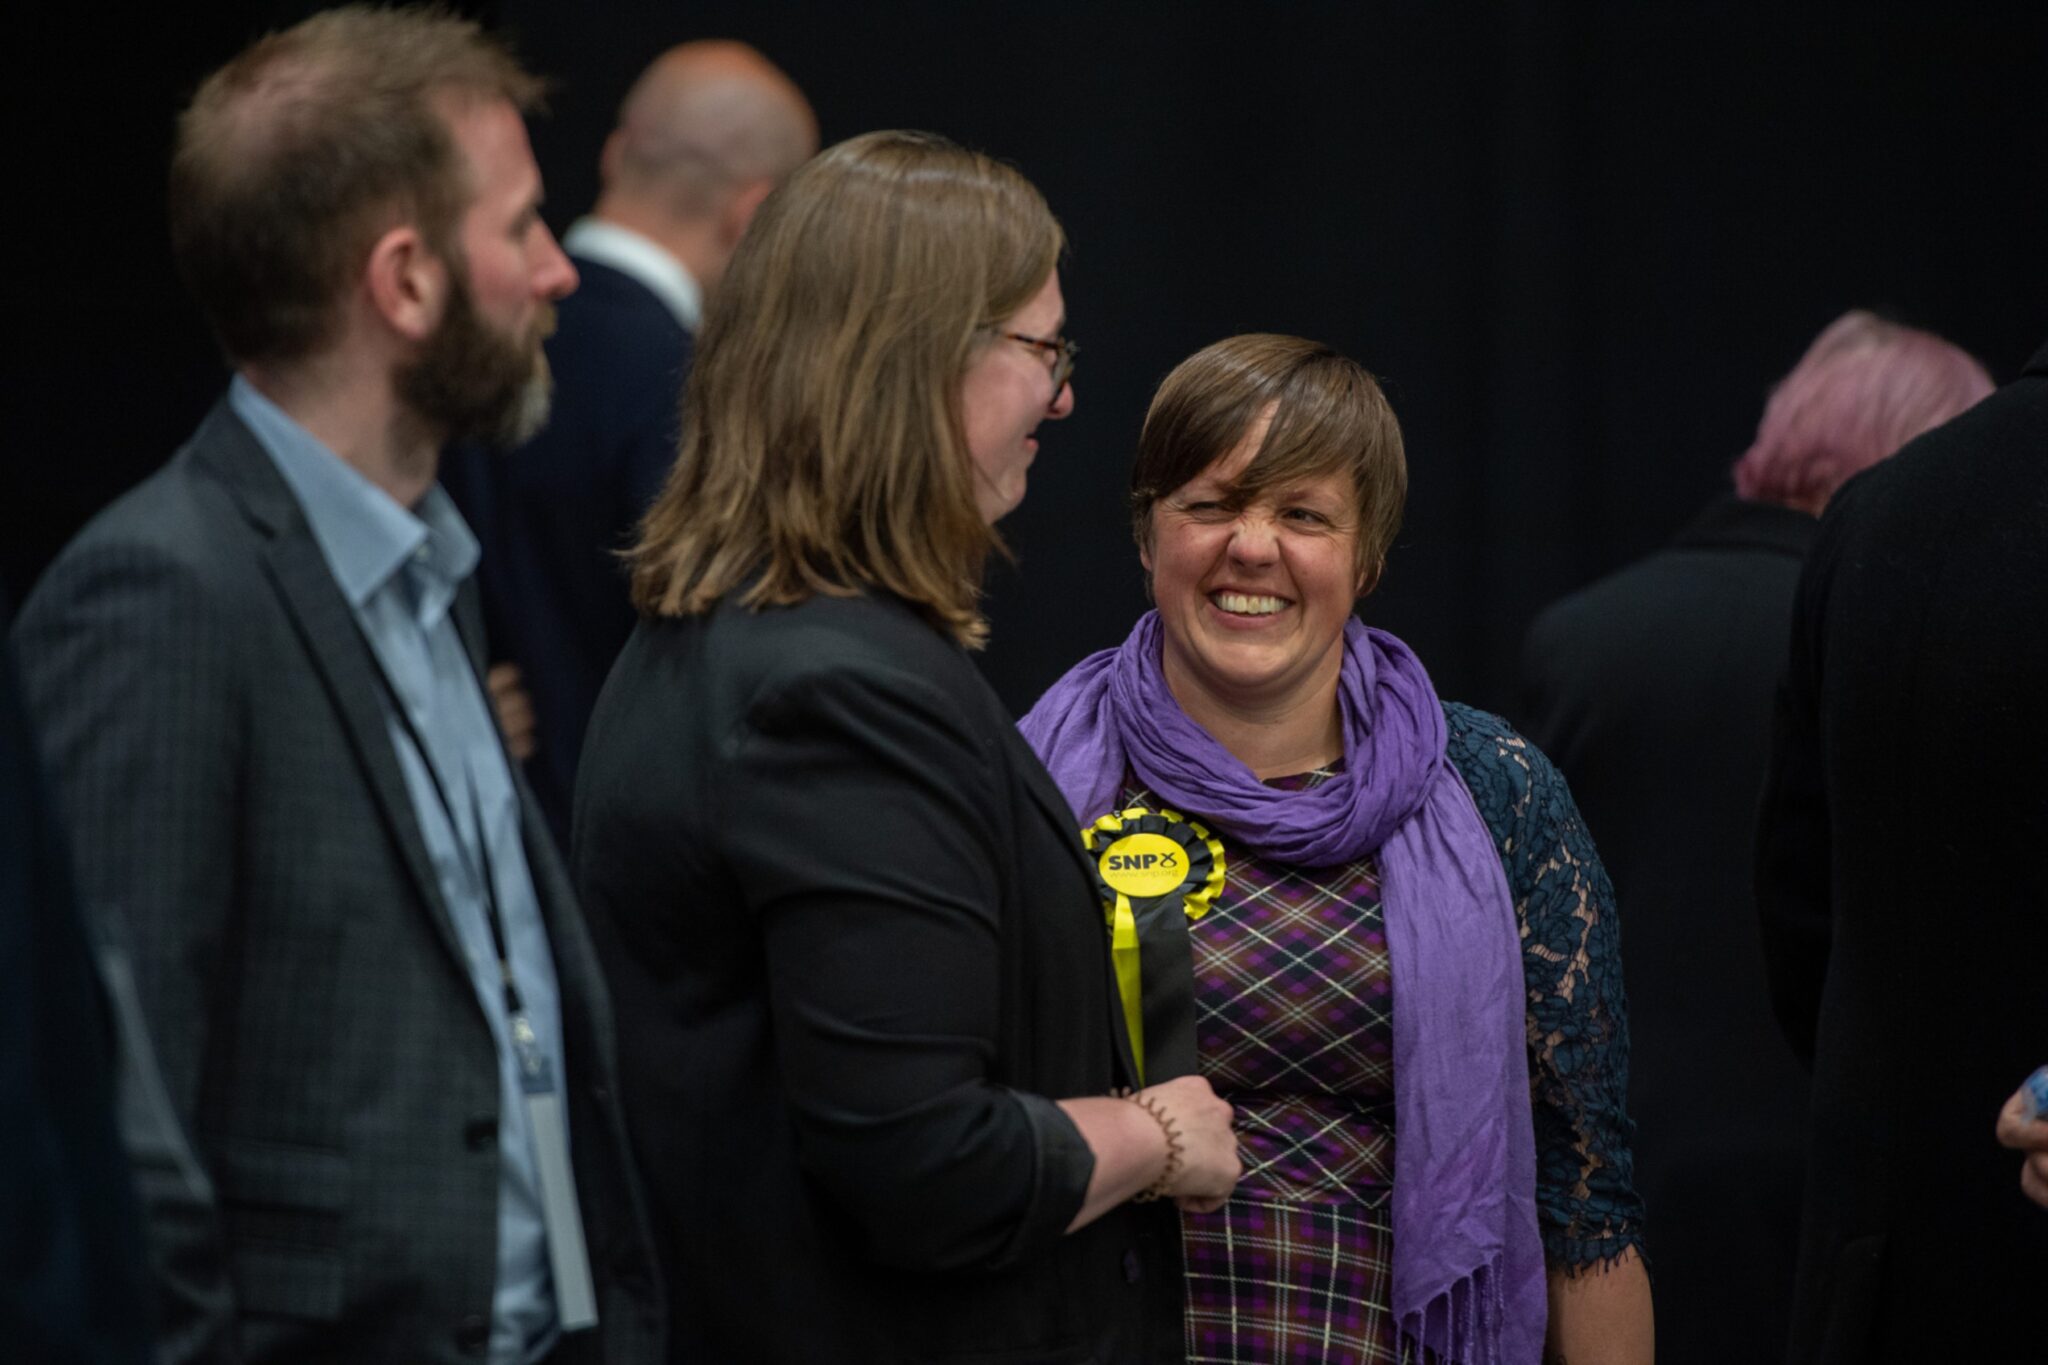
<point x="1864" y="388"/>
<point x="1900" y="896"/>
<point x="1652" y="691"/>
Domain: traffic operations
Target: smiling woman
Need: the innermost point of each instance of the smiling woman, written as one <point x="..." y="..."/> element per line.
<point x="1400" y="915"/>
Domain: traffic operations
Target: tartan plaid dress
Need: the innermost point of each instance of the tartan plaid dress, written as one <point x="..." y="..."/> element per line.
<point x="1293" y="1026"/>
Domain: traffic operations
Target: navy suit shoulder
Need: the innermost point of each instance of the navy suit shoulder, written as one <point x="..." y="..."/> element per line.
<point x="620" y="358"/>
<point x="624" y="307"/>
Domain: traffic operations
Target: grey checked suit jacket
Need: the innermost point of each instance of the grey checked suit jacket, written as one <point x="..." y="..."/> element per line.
<point x="211" y="720"/>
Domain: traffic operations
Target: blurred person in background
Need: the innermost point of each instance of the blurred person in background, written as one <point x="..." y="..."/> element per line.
<point x="1651" y="690"/>
<point x="1370" y="917"/>
<point x="2023" y="1126"/>
<point x="73" y="1289"/>
<point x="705" y="133"/>
<point x="1902" y="892"/>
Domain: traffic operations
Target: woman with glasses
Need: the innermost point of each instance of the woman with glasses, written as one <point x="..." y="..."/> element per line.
<point x="869" y="1024"/>
<point x="1373" y="919"/>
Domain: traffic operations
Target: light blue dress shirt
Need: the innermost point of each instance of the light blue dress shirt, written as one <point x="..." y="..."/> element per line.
<point x="399" y="570"/>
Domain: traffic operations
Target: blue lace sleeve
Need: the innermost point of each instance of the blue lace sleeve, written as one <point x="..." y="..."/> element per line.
<point x="1586" y="1203"/>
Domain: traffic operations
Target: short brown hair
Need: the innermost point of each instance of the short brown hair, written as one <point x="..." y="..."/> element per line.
<point x="822" y="450"/>
<point x="298" y="154"/>
<point x="1328" y="416"/>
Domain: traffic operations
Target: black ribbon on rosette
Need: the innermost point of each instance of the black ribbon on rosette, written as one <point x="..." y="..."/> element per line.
<point x="1155" y="870"/>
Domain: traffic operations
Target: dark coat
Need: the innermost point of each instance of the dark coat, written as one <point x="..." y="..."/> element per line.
<point x="72" y="1285"/>
<point x="858" y="954"/>
<point x="1651" y="690"/>
<point x="1904" y="892"/>
<point x="210" y="712"/>
<point x="552" y="515"/>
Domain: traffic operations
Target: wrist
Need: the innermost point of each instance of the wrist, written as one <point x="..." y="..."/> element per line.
<point x="1176" y="1147"/>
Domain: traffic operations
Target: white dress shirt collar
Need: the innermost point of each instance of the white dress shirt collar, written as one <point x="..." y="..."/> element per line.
<point x="627" y="251"/>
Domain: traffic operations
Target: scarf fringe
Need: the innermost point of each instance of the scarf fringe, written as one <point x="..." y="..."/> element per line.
<point x="1462" y="1324"/>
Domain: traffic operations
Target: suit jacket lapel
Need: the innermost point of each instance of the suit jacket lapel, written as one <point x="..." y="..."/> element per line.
<point x="328" y="627"/>
<point x="1052" y="803"/>
<point x="469" y="626"/>
<point x="543" y="860"/>
<point x="583" y="998"/>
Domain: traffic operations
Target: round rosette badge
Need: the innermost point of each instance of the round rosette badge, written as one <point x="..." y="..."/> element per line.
<point x="1156" y="870"/>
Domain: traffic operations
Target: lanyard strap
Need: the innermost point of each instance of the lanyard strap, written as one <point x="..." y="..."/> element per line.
<point x="481" y="873"/>
<point x="561" y="1217"/>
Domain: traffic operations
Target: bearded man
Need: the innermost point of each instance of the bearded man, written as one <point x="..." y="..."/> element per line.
<point x="256" y="678"/>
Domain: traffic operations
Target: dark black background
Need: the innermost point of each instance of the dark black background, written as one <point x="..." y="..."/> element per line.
<point x="1577" y="242"/>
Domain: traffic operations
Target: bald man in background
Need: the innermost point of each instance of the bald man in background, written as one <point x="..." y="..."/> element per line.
<point x="703" y="136"/>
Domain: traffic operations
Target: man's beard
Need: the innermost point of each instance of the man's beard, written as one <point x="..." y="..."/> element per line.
<point x="477" y="383"/>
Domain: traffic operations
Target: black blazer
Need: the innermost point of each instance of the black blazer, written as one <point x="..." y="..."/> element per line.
<point x="1651" y="690"/>
<point x="553" y="514"/>
<point x="210" y="713"/>
<point x="1904" y="892"/>
<point x="857" y="955"/>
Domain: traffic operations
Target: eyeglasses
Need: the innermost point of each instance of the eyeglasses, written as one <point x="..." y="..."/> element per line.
<point x="1059" y="350"/>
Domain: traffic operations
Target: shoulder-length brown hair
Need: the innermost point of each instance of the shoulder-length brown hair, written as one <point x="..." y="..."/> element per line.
<point x="823" y="451"/>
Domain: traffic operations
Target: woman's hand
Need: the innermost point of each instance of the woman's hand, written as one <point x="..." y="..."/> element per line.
<point x="2016" y="1129"/>
<point x="1209" y="1166"/>
<point x="1131" y="1148"/>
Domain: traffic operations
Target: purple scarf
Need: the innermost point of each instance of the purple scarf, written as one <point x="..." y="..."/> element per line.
<point x="1468" y="1266"/>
